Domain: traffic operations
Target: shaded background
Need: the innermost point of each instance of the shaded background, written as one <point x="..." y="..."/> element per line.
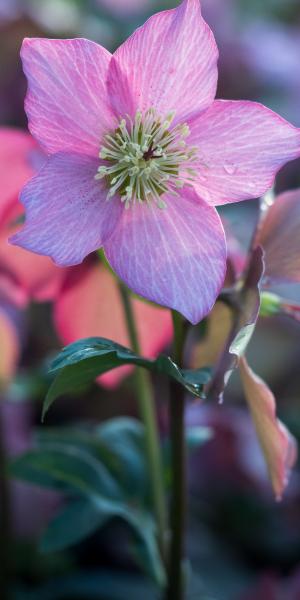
<point x="242" y="544"/>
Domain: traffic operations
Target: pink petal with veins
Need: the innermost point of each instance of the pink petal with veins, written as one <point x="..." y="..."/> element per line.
<point x="66" y="103"/>
<point x="241" y="145"/>
<point x="170" y="63"/>
<point x="67" y="214"/>
<point x="175" y="256"/>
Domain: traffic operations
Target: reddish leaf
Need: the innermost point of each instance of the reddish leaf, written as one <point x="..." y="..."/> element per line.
<point x="278" y="445"/>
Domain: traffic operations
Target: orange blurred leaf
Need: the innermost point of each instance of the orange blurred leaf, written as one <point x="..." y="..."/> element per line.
<point x="9" y="350"/>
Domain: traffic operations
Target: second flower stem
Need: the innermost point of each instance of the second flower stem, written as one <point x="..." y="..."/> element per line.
<point x="176" y="583"/>
<point x="147" y="412"/>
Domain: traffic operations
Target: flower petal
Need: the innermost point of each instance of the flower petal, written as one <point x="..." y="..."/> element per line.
<point x="67" y="215"/>
<point x="278" y="445"/>
<point x="170" y="63"/>
<point x="279" y="237"/>
<point x="36" y="277"/>
<point x="66" y="104"/>
<point x="89" y="304"/>
<point x="174" y="256"/>
<point x="241" y="145"/>
<point x="15" y="168"/>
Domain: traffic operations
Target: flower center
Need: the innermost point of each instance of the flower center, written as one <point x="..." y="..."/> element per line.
<point x="145" y="158"/>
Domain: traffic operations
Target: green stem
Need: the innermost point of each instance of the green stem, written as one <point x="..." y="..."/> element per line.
<point x="147" y="412"/>
<point x="176" y="583"/>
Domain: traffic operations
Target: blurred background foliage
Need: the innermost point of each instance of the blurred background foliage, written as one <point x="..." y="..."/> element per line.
<point x="243" y="545"/>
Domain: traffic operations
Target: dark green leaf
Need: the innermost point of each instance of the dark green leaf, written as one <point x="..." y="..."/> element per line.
<point x="123" y="441"/>
<point x="66" y="468"/>
<point x="76" y="521"/>
<point x="80" y="363"/>
<point x="146" y="552"/>
<point x="118" y="443"/>
<point x="102" y="493"/>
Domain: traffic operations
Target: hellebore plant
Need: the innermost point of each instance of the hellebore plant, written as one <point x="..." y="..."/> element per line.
<point x="139" y="155"/>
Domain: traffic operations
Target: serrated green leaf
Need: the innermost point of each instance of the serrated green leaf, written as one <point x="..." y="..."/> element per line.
<point x="81" y="362"/>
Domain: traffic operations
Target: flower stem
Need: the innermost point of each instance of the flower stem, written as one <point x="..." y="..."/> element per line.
<point x="147" y="412"/>
<point x="176" y="583"/>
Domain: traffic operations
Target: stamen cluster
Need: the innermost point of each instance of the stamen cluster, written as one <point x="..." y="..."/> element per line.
<point x="144" y="158"/>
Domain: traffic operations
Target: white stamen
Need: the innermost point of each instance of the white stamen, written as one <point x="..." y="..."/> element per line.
<point x="146" y="158"/>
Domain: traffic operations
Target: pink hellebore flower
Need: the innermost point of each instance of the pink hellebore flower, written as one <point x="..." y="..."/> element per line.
<point x="140" y="155"/>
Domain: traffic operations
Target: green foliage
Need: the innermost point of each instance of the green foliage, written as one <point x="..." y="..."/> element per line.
<point x="78" y="365"/>
<point x="102" y="473"/>
<point x="80" y="518"/>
